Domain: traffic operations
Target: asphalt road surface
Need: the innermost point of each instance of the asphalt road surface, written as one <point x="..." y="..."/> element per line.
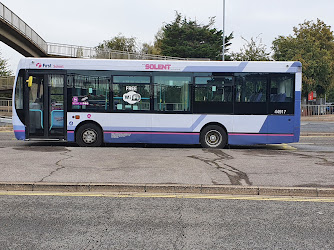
<point x="54" y="222"/>
<point x="51" y="221"/>
<point x="323" y="127"/>
<point x="308" y="163"/>
<point x="315" y="144"/>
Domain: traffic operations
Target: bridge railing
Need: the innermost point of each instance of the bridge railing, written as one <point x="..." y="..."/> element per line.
<point x="93" y="52"/>
<point x="6" y="82"/>
<point x="10" y="17"/>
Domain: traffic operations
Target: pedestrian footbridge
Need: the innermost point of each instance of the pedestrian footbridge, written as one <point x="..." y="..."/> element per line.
<point x="21" y="37"/>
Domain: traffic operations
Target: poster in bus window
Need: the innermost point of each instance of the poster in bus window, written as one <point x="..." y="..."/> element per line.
<point x="57" y="118"/>
<point x="83" y="100"/>
<point x="131" y="97"/>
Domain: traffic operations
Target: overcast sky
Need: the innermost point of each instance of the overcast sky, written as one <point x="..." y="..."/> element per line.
<point x="88" y="23"/>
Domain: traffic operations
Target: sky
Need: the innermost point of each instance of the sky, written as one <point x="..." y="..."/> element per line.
<point x="88" y="23"/>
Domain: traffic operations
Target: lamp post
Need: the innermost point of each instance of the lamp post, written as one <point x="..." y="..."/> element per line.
<point x="223" y="58"/>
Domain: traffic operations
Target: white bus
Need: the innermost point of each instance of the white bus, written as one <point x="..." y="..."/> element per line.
<point x="91" y="101"/>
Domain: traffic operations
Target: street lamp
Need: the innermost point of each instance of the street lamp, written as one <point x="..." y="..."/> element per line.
<point x="223" y="30"/>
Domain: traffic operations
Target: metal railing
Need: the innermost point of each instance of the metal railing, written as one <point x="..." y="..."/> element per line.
<point x="6" y="105"/>
<point x="6" y="82"/>
<point x="317" y="110"/>
<point x="74" y="51"/>
<point x="10" y="17"/>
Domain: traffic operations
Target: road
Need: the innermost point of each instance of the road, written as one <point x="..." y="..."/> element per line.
<point x="305" y="164"/>
<point x="321" y="126"/>
<point x="56" y="222"/>
<point x="112" y="221"/>
<point x="315" y="144"/>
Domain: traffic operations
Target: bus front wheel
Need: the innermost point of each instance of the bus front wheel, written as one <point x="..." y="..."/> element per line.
<point x="89" y="135"/>
<point x="213" y="136"/>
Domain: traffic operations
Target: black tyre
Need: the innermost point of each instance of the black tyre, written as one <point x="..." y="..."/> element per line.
<point x="213" y="136"/>
<point x="89" y="135"/>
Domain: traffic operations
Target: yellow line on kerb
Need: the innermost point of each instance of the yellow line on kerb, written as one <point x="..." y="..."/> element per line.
<point x="288" y="147"/>
<point x="282" y="146"/>
<point x="178" y="196"/>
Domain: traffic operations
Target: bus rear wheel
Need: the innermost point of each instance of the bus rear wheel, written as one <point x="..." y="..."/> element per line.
<point x="213" y="136"/>
<point x="89" y="135"/>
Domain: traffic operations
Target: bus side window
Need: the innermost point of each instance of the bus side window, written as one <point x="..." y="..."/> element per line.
<point x="172" y="93"/>
<point x="251" y="88"/>
<point x="281" y="94"/>
<point x="213" y="89"/>
<point x="131" y="92"/>
<point x="281" y="88"/>
<point x="19" y="91"/>
<point x="88" y="90"/>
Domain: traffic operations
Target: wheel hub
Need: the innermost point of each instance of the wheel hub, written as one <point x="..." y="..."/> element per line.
<point x="213" y="138"/>
<point x="89" y="136"/>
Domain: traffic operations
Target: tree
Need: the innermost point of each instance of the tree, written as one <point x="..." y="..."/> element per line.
<point x="313" y="45"/>
<point x="149" y="49"/>
<point x="155" y="48"/>
<point x="118" y="42"/>
<point x="188" y="39"/>
<point x="253" y="50"/>
<point x="4" y="70"/>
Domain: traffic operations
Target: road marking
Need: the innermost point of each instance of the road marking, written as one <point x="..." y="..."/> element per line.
<point x="178" y="196"/>
<point x="282" y="146"/>
<point x="288" y="147"/>
<point x="316" y="136"/>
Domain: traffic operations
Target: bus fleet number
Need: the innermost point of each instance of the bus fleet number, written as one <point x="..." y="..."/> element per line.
<point x="280" y="111"/>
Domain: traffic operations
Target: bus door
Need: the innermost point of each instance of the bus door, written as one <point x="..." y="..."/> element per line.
<point x="45" y="105"/>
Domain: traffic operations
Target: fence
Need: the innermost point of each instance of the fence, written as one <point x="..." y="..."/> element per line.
<point x="6" y="82"/>
<point x="6" y="106"/>
<point x="312" y="110"/>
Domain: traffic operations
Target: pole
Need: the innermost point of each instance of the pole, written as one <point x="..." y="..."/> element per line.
<point x="223" y="58"/>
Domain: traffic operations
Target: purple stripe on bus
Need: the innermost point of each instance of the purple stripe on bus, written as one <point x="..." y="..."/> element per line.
<point x="261" y="134"/>
<point x="198" y="121"/>
<point x="150" y="133"/>
<point x="202" y="68"/>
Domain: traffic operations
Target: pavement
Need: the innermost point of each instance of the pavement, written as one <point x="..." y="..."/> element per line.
<point x="157" y="186"/>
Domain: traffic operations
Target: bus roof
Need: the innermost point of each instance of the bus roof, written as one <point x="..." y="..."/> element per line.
<point x="159" y="65"/>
